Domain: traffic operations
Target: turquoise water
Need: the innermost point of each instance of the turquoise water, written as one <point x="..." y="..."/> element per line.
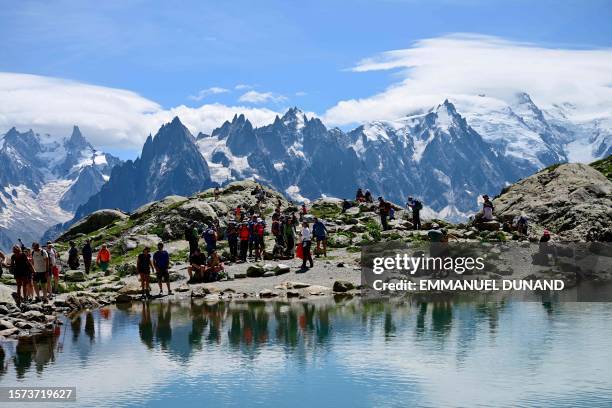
<point x="321" y="354"/>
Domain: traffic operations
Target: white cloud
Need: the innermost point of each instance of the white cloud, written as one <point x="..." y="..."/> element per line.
<point x="261" y="97"/>
<point x="108" y="117"/>
<point x="463" y="64"/>
<point x="242" y="87"/>
<point x="203" y="93"/>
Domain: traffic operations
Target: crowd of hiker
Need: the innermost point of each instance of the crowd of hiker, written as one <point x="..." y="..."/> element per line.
<point x="37" y="269"/>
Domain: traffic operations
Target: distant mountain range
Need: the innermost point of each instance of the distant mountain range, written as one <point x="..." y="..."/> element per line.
<point x="43" y="179"/>
<point x="447" y="156"/>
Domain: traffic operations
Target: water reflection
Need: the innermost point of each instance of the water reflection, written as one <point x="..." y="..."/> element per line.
<point x="450" y="334"/>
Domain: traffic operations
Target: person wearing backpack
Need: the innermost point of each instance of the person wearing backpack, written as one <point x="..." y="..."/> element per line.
<point x="416" y="207"/>
<point x="306" y="245"/>
<point x="319" y="230"/>
<point x="210" y="238"/>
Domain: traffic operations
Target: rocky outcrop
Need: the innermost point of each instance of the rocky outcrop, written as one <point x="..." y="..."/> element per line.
<point x="94" y="221"/>
<point x="573" y="201"/>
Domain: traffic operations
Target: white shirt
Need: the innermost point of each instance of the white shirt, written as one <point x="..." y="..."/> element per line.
<point x="52" y="256"/>
<point x="306" y="235"/>
<point x="39" y="259"/>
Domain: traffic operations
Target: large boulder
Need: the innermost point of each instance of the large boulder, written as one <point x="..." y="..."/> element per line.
<point x="75" y="276"/>
<point x="339" y="241"/>
<point x="197" y="210"/>
<point x="135" y="241"/>
<point x="93" y="222"/>
<point x="573" y="200"/>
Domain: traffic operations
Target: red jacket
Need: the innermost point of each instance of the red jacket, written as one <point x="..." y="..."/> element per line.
<point x="244" y="233"/>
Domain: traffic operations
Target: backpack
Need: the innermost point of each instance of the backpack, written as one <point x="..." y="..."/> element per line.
<point x="418" y="205"/>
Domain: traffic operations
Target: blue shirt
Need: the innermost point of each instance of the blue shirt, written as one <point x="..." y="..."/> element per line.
<point x="318" y="229"/>
<point x="161" y="259"/>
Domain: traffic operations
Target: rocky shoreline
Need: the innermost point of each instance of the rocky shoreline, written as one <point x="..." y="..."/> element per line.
<point x="545" y="197"/>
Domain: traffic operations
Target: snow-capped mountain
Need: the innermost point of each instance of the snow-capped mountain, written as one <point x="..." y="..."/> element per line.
<point x="43" y="179"/>
<point x="447" y="156"/>
<point x="170" y="163"/>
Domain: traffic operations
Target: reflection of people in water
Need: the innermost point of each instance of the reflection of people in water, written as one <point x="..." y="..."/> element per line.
<point x="75" y="325"/>
<point x="3" y="362"/>
<point x="198" y="323"/>
<point x="145" y="326"/>
<point x="90" y="329"/>
<point x="44" y="348"/>
<point x="23" y="356"/>
<point x="163" y="330"/>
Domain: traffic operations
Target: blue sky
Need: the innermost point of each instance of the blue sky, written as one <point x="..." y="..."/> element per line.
<point x="294" y="53"/>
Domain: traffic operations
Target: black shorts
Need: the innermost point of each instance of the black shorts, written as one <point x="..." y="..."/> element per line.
<point x="163" y="274"/>
<point x="40" y="277"/>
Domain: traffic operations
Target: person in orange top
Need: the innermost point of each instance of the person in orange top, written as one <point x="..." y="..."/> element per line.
<point x="103" y="258"/>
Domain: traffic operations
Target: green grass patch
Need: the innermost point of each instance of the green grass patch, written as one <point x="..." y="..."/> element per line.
<point x="326" y="211"/>
<point x="604" y="166"/>
<point x="374" y="230"/>
<point x="353" y="249"/>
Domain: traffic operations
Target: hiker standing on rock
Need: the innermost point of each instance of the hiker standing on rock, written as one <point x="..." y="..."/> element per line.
<point x="216" y="193"/>
<point x="319" y="230"/>
<point x="144" y="264"/>
<point x="416" y="206"/>
<point x="243" y="234"/>
<point x="289" y="232"/>
<point x="383" y="211"/>
<point x="103" y="258"/>
<point x="487" y="208"/>
<point x="54" y="264"/>
<point x="40" y="262"/>
<point x="161" y="262"/>
<point x="259" y="230"/>
<point x="210" y="238"/>
<point x="87" y="253"/>
<point x="22" y="269"/>
<point x="306" y="245"/>
<point x="232" y="240"/>
<point x="191" y="236"/>
<point x="73" y="256"/>
<point x="368" y="197"/>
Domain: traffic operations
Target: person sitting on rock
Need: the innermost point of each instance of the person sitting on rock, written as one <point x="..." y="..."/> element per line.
<point x="303" y="211"/>
<point x="359" y="197"/>
<point x="214" y="267"/>
<point x="487" y="209"/>
<point x="521" y="224"/>
<point x="345" y="205"/>
<point x="197" y="266"/>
